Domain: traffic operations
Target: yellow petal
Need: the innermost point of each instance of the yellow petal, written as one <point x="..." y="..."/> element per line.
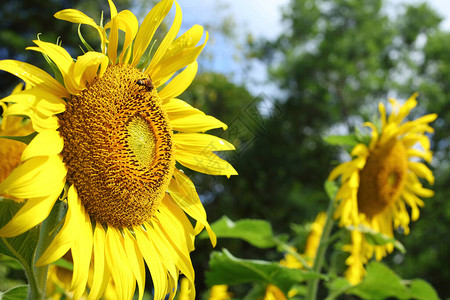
<point x="180" y="83"/>
<point x="129" y="24"/>
<point x="136" y="261"/>
<point x="177" y="108"/>
<point x="148" y="29"/>
<point x="200" y="142"/>
<point x="101" y="273"/>
<point x="151" y="256"/>
<point x="31" y="214"/>
<point x="81" y="250"/>
<point x="168" y="39"/>
<point x="46" y="143"/>
<point x="112" y="9"/>
<point x="34" y="178"/>
<point x="40" y="99"/>
<point x="39" y="121"/>
<point x="426" y="155"/>
<point x="63" y="241"/>
<point x="34" y="76"/>
<point x="204" y="162"/>
<point x="196" y="123"/>
<point x="56" y="53"/>
<point x="172" y="231"/>
<point x="183" y="192"/>
<point x="77" y="17"/>
<point x="421" y="170"/>
<point x="113" y="39"/>
<point x="118" y="264"/>
<point x="169" y="65"/>
<point x="86" y="67"/>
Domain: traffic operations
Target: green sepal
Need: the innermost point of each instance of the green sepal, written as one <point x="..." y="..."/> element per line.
<point x="83" y="41"/>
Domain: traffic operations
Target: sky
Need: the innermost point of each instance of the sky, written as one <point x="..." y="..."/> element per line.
<point x="261" y="18"/>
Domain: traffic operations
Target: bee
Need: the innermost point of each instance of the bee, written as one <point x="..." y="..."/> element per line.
<point x="147" y="83"/>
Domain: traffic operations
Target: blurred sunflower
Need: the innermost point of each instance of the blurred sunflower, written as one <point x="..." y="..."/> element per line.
<point x="111" y="132"/>
<point x="217" y="292"/>
<point x="381" y="180"/>
<point x="11" y="150"/>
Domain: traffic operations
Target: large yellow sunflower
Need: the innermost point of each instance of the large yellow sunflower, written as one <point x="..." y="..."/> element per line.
<point x="112" y="132"/>
<point x="381" y="180"/>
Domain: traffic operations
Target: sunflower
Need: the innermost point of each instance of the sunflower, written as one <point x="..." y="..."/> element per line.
<point x="110" y="133"/>
<point x="381" y="179"/>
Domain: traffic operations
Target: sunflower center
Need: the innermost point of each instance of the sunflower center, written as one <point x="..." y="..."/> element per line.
<point x="382" y="179"/>
<point x="118" y="147"/>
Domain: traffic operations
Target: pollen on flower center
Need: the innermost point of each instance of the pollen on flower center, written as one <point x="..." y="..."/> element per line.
<point x="382" y="178"/>
<point x="118" y="147"/>
<point x="142" y="141"/>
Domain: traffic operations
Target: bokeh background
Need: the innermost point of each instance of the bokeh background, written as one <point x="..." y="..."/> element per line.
<point x="283" y="75"/>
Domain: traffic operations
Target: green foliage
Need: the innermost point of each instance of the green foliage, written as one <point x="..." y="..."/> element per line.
<point x="381" y="283"/>
<point x="227" y="269"/>
<point x="17" y="293"/>
<point x="256" y="232"/>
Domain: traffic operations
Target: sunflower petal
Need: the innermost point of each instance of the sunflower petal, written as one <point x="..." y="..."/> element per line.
<point x="34" y="178"/>
<point x="64" y="240"/>
<point x="168" y="66"/>
<point x="40" y="99"/>
<point x="151" y="256"/>
<point x="180" y="83"/>
<point x="421" y="170"/>
<point x="148" y="28"/>
<point x="136" y="261"/>
<point x="168" y="39"/>
<point x="200" y="142"/>
<point x="31" y="214"/>
<point x="101" y="273"/>
<point x="46" y="143"/>
<point x="204" y="162"/>
<point x="34" y="76"/>
<point x="39" y="122"/>
<point x="183" y="193"/>
<point x="118" y="264"/>
<point x="196" y="123"/>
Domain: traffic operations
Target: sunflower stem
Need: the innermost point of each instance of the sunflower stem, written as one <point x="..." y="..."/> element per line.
<point x="46" y="234"/>
<point x="320" y="256"/>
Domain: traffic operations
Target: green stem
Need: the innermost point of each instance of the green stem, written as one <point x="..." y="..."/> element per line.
<point x="47" y="232"/>
<point x="320" y="256"/>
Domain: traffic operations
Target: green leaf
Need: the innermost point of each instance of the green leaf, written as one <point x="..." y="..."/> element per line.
<point x="17" y="293"/>
<point x="420" y="289"/>
<point x="342" y="140"/>
<point x="24" y="139"/>
<point x="227" y="269"/>
<point x="256" y="232"/>
<point x="20" y="247"/>
<point x="380" y="283"/>
<point x="377" y="238"/>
